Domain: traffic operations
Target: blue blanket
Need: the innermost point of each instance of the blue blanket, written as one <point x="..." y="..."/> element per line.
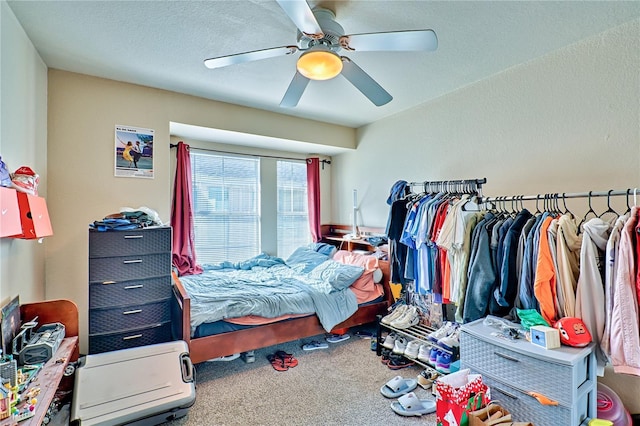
<point x="267" y="287"/>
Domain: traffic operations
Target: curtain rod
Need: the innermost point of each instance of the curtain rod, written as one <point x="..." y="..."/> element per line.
<point x="173" y="145"/>
<point x="589" y="194"/>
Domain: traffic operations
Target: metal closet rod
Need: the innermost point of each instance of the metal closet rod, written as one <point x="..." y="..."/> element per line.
<point x="451" y="182"/>
<point x="628" y="192"/>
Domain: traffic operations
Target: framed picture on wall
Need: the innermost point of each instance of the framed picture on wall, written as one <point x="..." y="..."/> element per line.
<point x="133" y="152"/>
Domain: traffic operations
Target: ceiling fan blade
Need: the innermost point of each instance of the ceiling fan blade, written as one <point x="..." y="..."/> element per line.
<point x="364" y="83"/>
<point x="238" y="58"/>
<point x="295" y="90"/>
<point x="301" y="15"/>
<point x="411" y="40"/>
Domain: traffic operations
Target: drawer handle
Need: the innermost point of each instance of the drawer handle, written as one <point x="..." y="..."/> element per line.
<point x="129" y="287"/>
<point x="130" y="237"/>
<point x="126" y="262"/>
<point x="135" y="311"/>
<point x="542" y="399"/>
<point x="135" y="336"/>
<point x="505" y="393"/>
<point x="108" y="282"/>
<point x="510" y="358"/>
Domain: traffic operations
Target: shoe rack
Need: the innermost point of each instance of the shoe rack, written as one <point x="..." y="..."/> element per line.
<point x="417" y="332"/>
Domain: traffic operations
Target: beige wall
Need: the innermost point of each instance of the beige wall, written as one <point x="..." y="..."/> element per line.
<point x="23" y="141"/>
<point x="567" y="122"/>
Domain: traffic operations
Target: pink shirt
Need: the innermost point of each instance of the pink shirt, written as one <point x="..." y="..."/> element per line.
<point x="624" y="340"/>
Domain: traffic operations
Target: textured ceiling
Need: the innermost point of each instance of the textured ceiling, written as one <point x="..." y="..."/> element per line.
<point x="163" y="44"/>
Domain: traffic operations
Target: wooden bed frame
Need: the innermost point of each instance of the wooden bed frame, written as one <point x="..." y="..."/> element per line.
<point x="204" y="348"/>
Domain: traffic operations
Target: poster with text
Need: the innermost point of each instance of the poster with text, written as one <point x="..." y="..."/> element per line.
<point x="134" y="152"/>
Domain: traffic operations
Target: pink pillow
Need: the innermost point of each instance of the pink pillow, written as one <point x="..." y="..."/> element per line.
<point x="364" y="287"/>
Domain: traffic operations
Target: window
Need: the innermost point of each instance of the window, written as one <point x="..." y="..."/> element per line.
<point x="228" y="221"/>
<point x="226" y="203"/>
<point x="293" y="219"/>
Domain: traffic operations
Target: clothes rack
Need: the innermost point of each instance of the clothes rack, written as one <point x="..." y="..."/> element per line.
<point x="460" y="185"/>
<point x="553" y="196"/>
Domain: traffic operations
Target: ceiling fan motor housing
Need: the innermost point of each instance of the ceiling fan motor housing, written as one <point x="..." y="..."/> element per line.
<point x="331" y="29"/>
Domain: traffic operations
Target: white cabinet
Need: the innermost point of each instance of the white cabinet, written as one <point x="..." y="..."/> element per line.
<point x="514" y="369"/>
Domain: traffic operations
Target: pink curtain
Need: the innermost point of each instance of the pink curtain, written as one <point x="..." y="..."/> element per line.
<point x="184" y="252"/>
<point x="313" y="197"/>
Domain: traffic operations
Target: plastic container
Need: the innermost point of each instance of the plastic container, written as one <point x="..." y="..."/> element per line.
<point x="610" y="407"/>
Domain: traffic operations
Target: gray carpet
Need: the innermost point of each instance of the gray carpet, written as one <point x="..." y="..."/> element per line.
<point x="339" y="385"/>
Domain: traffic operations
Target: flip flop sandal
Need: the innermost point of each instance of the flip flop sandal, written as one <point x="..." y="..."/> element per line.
<point x="398" y="386"/>
<point x="287" y="359"/>
<point x="277" y="363"/>
<point x="411" y="405"/>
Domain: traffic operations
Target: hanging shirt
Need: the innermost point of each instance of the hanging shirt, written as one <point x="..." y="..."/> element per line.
<point x="568" y="245"/>
<point x="505" y="294"/>
<point x="590" y="289"/>
<point x="611" y="255"/>
<point x="482" y="275"/>
<point x="625" y="339"/>
<point x="544" y="286"/>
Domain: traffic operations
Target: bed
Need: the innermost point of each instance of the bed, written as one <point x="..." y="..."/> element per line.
<point x="188" y="314"/>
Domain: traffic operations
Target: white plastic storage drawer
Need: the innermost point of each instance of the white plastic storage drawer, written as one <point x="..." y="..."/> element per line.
<point x="522" y="371"/>
<point x="526" y="408"/>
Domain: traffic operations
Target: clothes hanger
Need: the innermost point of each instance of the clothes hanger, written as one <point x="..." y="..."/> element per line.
<point x="564" y="202"/>
<point x="627" y="199"/>
<point x="584" y="219"/>
<point x="609" y="209"/>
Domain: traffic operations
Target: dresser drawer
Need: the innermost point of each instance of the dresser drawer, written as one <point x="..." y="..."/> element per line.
<point x="124" y="293"/>
<point x="124" y="243"/>
<point x="525" y="408"/>
<point x="129" y="317"/>
<point x="122" y="268"/>
<point x="553" y="380"/>
<point x="158" y="333"/>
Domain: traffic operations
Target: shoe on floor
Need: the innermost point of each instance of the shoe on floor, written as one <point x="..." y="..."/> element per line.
<point x="411" y="405"/>
<point x="411" y="351"/>
<point x="398" y="386"/>
<point x="443" y="362"/>
<point x="433" y="355"/>
<point x="335" y="338"/>
<point x="389" y="341"/>
<point x="397" y="312"/>
<point x="451" y="341"/>
<point x="400" y="345"/>
<point x="313" y="345"/>
<point x="423" y="353"/>
<point x="225" y="358"/>
<point x="443" y="331"/>
<point x="426" y="378"/>
<point x="408" y="319"/>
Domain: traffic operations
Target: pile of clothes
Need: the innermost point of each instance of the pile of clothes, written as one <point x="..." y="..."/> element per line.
<point x="128" y="219"/>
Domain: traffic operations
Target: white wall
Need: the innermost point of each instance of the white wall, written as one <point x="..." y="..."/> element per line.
<point x="567" y="122"/>
<point x="23" y="142"/>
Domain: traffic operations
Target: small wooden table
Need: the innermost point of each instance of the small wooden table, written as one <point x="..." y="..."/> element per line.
<point x="49" y="377"/>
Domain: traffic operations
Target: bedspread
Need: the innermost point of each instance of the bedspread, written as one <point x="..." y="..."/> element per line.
<point x="267" y="287"/>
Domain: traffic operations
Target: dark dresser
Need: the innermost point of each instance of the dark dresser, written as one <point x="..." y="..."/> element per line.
<point x="129" y="288"/>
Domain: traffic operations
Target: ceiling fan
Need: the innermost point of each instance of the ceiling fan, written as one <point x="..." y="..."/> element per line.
<point x="320" y="39"/>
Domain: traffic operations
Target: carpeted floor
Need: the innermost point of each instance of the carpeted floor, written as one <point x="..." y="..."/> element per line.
<point x="339" y="385"/>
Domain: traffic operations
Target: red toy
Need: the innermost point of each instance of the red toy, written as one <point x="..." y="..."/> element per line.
<point x="573" y="332"/>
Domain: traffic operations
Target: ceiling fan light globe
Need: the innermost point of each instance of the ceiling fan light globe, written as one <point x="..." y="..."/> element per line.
<point x="319" y="64"/>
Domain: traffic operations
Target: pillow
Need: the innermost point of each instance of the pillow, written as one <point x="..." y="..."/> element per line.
<point x="339" y="275"/>
<point x="369" y="263"/>
<point x="305" y="259"/>
<point x="323" y="248"/>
